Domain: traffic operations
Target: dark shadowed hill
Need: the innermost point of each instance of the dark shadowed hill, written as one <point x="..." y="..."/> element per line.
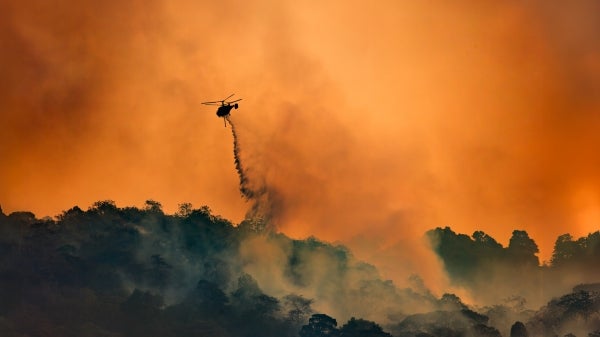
<point x="111" y="271"/>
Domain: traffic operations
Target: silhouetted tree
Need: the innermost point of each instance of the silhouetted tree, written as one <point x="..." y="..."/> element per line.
<point x="320" y="325"/>
<point x="103" y="207"/>
<point x="565" y="249"/>
<point x="257" y="310"/>
<point x="518" y="330"/>
<point x="362" y="328"/>
<point x="583" y="252"/>
<point x="185" y="209"/>
<point x="153" y="206"/>
<point x="457" y="251"/>
<point x="579" y="303"/>
<point x="593" y="244"/>
<point x="522" y="249"/>
<point x="485" y="241"/>
<point x="22" y="218"/>
<point x="451" y="302"/>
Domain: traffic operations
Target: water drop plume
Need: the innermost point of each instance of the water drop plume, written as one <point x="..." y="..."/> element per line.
<point x="264" y="198"/>
<point x="247" y="192"/>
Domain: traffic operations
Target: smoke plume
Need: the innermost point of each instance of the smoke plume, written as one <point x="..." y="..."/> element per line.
<point x="370" y="123"/>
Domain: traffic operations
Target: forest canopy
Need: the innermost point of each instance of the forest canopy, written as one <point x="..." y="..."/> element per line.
<point x="127" y="271"/>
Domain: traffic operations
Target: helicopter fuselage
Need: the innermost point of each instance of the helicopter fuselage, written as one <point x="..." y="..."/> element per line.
<point x="224" y="110"/>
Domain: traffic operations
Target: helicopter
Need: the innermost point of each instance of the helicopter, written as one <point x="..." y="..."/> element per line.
<point x="225" y="107"/>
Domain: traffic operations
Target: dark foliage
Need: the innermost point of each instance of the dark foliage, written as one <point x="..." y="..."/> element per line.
<point x="463" y="322"/>
<point x="474" y="258"/>
<point x="489" y="270"/>
<point x="320" y="325"/>
<point x="580" y="309"/>
<point x="362" y="328"/>
<point x="583" y="252"/>
<point x="518" y="330"/>
<point x="112" y="271"/>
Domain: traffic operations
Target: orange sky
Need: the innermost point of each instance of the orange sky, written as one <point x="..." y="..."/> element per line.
<point x="372" y="122"/>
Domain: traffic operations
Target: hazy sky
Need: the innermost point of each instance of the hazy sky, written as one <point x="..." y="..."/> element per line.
<point x="373" y="121"/>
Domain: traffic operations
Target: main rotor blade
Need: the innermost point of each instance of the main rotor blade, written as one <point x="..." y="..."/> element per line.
<point x="211" y="103"/>
<point x="237" y="100"/>
<point x="228" y="97"/>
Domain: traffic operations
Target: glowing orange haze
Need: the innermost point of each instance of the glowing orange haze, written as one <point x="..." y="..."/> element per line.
<point x="372" y="122"/>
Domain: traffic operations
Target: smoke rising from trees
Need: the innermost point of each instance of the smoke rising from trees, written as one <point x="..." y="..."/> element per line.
<point x="111" y="271"/>
<point x="495" y="274"/>
<point x="100" y="100"/>
<point x="384" y="132"/>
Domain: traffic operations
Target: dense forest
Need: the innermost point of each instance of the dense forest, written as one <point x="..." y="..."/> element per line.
<point x="493" y="272"/>
<point x="111" y="271"/>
